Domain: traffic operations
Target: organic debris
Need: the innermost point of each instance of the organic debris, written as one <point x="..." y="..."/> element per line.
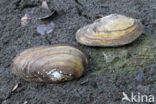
<point x="45" y="28"/>
<point x="15" y="87"/>
<point x="47" y="10"/>
<point x="99" y="16"/>
<point x="37" y="14"/>
<point x="25" y="20"/>
<point x="45" y="5"/>
<point x="50" y="15"/>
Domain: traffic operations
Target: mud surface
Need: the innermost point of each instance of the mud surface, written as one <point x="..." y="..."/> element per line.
<point x="111" y="71"/>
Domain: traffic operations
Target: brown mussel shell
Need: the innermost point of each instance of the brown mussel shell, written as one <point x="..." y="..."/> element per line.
<point x="110" y="31"/>
<point x="50" y="64"/>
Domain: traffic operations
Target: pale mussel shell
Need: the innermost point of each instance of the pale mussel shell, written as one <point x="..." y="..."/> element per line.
<point x="50" y="64"/>
<point x="109" y="31"/>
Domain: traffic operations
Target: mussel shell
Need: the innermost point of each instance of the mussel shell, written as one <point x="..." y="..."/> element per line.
<point x="42" y="13"/>
<point x="50" y="64"/>
<point x="111" y="30"/>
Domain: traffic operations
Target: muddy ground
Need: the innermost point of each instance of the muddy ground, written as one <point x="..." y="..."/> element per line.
<point x="130" y="68"/>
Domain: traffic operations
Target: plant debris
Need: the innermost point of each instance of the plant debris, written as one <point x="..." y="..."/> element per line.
<point x="15" y="87"/>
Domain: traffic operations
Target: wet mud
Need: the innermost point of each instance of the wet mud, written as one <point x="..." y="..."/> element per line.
<point x="111" y="71"/>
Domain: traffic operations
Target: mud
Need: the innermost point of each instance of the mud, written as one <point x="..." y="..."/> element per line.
<point x="130" y="68"/>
